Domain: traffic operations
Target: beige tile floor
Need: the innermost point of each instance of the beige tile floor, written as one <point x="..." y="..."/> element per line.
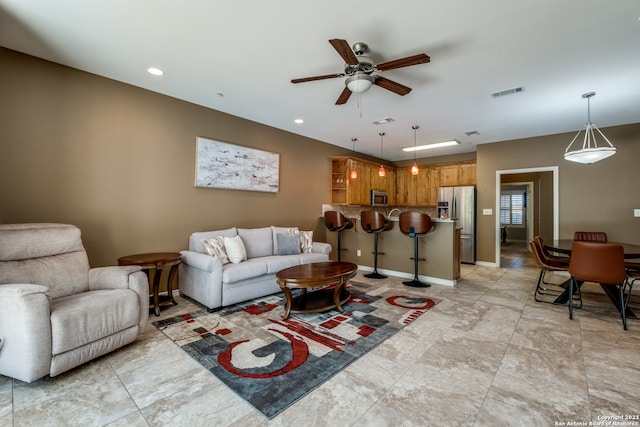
<point x="487" y="355"/>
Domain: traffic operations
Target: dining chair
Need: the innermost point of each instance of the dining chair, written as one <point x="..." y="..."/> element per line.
<point x="599" y="263"/>
<point x="546" y="265"/>
<point x="633" y="275"/>
<point x="590" y="236"/>
<point x="563" y="254"/>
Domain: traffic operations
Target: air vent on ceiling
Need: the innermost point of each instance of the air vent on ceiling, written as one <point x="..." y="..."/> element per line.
<point x="382" y="121"/>
<point x="472" y="132"/>
<point x="507" y="92"/>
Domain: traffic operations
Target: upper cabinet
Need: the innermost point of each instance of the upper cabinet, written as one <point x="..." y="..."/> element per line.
<point x="421" y="189"/>
<point x="468" y="174"/>
<point x="403" y="188"/>
<point x="353" y="179"/>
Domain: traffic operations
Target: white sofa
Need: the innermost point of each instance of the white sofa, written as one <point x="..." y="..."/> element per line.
<point x="209" y="281"/>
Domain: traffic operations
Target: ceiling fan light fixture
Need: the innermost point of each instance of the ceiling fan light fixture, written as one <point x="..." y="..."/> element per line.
<point x="359" y="83"/>
<point x="590" y="151"/>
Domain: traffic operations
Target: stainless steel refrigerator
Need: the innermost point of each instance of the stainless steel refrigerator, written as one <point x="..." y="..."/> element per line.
<point x="460" y="203"/>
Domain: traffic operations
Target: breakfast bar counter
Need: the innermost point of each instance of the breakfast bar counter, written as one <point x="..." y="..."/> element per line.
<point x="440" y="247"/>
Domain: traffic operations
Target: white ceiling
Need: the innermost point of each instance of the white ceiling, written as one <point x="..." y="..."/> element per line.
<point x="249" y="50"/>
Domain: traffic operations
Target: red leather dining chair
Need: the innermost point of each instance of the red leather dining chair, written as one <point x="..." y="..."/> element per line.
<point x="600" y="263"/>
<point x="590" y="236"/>
<point x="547" y="264"/>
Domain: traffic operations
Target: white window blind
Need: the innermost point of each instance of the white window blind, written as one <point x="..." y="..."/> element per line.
<point x="512" y="204"/>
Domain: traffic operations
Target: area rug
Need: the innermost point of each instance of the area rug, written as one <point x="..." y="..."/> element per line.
<point x="271" y="362"/>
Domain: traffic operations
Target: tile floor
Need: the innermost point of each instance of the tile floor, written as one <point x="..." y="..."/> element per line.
<point x="487" y="355"/>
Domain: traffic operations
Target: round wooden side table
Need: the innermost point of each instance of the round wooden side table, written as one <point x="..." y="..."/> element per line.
<point x="156" y="261"/>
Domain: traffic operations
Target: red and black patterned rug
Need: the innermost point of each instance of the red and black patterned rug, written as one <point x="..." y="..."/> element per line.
<point x="271" y="362"/>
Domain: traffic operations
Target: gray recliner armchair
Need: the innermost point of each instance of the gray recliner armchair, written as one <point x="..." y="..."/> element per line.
<point x="56" y="312"/>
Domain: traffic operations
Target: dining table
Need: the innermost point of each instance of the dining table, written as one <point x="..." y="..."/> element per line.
<point x="564" y="246"/>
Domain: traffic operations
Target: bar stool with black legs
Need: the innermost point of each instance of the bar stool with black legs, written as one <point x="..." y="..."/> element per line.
<point x="375" y="223"/>
<point x="336" y="221"/>
<point x="415" y="225"/>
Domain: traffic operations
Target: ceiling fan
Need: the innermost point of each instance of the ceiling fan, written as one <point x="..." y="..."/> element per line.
<point x="360" y="69"/>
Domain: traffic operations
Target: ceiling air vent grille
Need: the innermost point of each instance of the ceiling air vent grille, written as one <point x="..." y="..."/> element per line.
<point x="508" y="92"/>
<point x="383" y="121"/>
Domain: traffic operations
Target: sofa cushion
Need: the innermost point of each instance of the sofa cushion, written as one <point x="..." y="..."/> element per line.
<point x="79" y="319"/>
<point x="234" y="247"/>
<point x="288" y="245"/>
<point x="215" y="247"/>
<point x="310" y="257"/>
<point x="306" y="241"/>
<point x="195" y="240"/>
<point x="245" y="270"/>
<point x="257" y="241"/>
<point x="288" y="231"/>
<point x="276" y="263"/>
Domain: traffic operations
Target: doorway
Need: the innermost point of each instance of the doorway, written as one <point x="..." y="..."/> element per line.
<point x="540" y="188"/>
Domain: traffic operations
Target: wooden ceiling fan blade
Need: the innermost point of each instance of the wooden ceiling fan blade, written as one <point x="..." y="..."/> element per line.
<point x="394" y="87"/>
<point x="310" y="79"/>
<point x="344" y="96"/>
<point x="344" y="50"/>
<point x="404" y="62"/>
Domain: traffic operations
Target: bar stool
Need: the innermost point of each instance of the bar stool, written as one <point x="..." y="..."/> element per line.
<point x="336" y="221"/>
<point x="414" y="225"/>
<point x="374" y="222"/>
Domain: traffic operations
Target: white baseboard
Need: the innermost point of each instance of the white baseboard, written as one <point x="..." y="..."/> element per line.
<point x="403" y="275"/>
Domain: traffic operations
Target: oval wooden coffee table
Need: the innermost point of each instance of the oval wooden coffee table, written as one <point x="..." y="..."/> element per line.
<point x="329" y="277"/>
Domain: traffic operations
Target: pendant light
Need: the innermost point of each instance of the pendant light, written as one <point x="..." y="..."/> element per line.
<point x="590" y="151"/>
<point x="414" y="168"/>
<point x="354" y="173"/>
<point x="381" y="171"/>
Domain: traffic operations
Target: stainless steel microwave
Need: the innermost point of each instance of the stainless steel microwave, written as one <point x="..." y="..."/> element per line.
<point x="379" y="198"/>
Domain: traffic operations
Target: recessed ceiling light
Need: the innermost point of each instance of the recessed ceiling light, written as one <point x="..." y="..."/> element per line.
<point x="429" y="146"/>
<point x="299" y="121"/>
<point x="155" y="71"/>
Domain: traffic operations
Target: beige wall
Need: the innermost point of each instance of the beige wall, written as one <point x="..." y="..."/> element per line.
<point x="118" y="161"/>
<point x="594" y="197"/>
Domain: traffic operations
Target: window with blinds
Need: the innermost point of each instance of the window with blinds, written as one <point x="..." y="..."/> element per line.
<point x="512" y="205"/>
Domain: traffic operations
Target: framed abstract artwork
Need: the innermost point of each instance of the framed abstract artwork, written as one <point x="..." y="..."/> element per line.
<point x="234" y="167"/>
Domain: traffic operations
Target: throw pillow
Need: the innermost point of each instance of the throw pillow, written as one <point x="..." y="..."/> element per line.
<point x="288" y="245"/>
<point x="306" y="241"/>
<point x="235" y="249"/>
<point x="215" y="247"/>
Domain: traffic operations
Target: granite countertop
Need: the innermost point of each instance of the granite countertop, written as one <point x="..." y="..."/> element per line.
<point x="396" y="219"/>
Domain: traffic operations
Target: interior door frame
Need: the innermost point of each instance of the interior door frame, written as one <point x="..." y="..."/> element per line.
<point x="556" y="199"/>
<point x="530" y="189"/>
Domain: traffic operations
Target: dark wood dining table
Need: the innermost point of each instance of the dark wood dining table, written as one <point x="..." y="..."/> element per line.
<point x="631" y="252"/>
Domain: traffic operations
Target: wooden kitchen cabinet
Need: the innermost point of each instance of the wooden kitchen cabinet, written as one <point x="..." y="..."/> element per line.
<point x="403" y="188"/>
<point x="449" y="175"/>
<point x="354" y="191"/>
<point x="468" y="174"/>
<point x="358" y="188"/>
<point x="457" y="174"/>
